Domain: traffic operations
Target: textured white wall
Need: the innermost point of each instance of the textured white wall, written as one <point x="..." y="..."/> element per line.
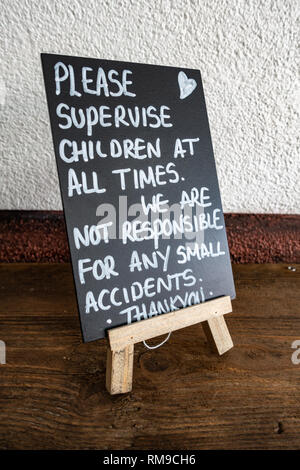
<point x="245" y="49"/>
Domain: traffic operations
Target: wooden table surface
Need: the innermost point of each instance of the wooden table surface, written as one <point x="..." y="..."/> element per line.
<point x="52" y="388"/>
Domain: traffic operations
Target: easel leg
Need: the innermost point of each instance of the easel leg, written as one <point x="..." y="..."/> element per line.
<point x="119" y="370"/>
<point x="217" y="334"/>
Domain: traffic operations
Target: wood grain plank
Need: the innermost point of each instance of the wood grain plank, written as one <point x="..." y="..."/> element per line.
<point x="217" y="334"/>
<point x="52" y="389"/>
<point x="136" y="332"/>
<point x="119" y="370"/>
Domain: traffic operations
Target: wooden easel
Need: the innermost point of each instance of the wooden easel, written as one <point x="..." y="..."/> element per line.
<point x="120" y="350"/>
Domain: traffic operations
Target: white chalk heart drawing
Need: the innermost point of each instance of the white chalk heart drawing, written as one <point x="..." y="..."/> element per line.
<point x="186" y="85"/>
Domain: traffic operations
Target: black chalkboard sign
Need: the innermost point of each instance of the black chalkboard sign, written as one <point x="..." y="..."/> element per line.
<point x="139" y="189"/>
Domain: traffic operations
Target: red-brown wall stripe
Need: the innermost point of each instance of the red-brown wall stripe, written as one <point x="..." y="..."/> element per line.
<point x="40" y="236"/>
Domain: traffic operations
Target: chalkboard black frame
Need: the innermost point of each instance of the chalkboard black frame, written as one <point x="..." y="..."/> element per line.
<point x="182" y="162"/>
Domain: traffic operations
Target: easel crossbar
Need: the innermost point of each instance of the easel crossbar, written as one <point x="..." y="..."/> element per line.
<point x="123" y="336"/>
